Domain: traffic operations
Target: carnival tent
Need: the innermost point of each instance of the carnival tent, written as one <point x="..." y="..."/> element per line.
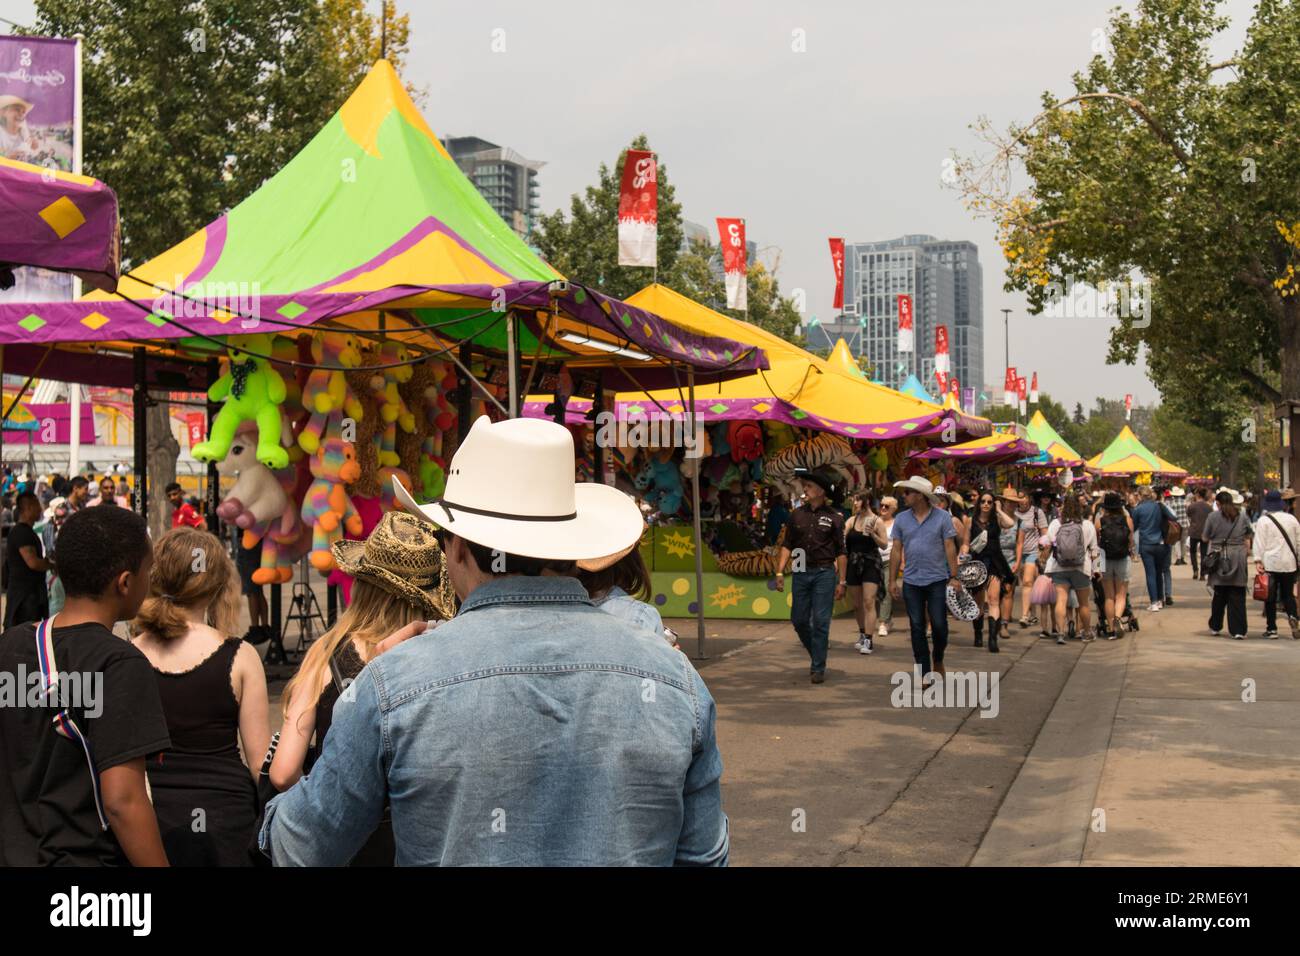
<point x="59" y="221"/>
<point x="799" y="388"/>
<point x="912" y="386"/>
<point x="994" y="449"/>
<point x="1042" y="434"/>
<point x="372" y="213"/>
<point x="1127" y="456"/>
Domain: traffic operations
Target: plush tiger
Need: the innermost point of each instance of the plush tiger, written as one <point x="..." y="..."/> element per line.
<point x="752" y="564"/>
<point x="822" y="450"/>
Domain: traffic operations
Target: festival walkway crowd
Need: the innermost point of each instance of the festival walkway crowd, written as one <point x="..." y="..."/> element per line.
<point x="501" y="634"/>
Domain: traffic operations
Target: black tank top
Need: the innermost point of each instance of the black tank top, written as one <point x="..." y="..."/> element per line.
<point x="202" y="713"/>
<point x="861" y="542"/>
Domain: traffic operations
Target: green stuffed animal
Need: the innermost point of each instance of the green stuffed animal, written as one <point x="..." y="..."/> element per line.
<point x="250" y="390"/>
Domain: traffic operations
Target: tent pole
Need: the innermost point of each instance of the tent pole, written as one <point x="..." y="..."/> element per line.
<point x="512" y="365"/>
<point x="139" y="430"/>
<point x="699" y="540"/>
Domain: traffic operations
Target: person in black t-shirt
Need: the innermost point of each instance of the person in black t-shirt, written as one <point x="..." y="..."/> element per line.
<point x="26" y="597"/>
<point x="50" y="799"/>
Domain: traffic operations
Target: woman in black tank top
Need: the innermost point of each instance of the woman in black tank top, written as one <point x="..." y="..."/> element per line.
<point x="213" y="693"/>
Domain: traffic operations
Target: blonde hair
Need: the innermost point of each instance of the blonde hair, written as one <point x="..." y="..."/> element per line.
<point x="191" y="569"/>
<point x="372" y="615"/>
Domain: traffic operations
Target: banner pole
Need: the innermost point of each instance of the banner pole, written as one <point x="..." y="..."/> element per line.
<point x="74" y="388"/>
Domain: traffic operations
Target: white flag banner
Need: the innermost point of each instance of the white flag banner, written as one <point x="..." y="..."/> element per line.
<point x="735" y="271"/>
<point x="638" y="210"/>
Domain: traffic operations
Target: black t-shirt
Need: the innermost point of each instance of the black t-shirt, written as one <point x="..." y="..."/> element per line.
<point x="47" y="804"/>
<point x="22" y="579"/>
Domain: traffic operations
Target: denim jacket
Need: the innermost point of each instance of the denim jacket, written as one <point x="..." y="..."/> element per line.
<point x="530" y="730"/>
<point x="618" y="602"/>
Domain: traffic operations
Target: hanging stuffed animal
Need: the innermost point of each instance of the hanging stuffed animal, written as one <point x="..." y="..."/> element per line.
<point x="250" y="390"/>
<point x="746" y="441"/>
<point x="822" y="450"/>
<point x="327" y="389"/>
<point x="661" y="483"/>
<point x="257" y="497"/>
<point x="326" y="507"/>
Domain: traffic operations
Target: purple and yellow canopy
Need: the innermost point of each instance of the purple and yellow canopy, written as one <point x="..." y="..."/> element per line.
<point x="372" y="213"/>
<point x="58" y="221"/>
<point x="993" y="449"/>
<point x="1127" y="456"/>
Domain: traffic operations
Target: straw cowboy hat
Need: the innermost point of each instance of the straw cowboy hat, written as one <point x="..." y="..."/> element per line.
<point x="1289" y="493"/>
<point x="8" y="99"/>
<point x="510" y="487"/>
<point x="402" y="557"/>
<point x="1015" y="497"/>
<point x="917" y="483"/>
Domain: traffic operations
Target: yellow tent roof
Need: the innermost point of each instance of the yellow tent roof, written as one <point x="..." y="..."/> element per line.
<point x="1126" y="455"/>
<point x="799" y="387"/>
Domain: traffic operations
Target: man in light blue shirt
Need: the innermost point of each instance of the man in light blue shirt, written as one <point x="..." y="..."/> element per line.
<point x="532" y="729"/>
<point x="926" y="548"/>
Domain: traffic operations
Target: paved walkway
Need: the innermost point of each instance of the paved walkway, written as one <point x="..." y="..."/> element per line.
<point x="1150" y="729"/>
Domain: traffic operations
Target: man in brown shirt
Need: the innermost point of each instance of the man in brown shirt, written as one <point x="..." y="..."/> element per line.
<point x="814" y="547"/>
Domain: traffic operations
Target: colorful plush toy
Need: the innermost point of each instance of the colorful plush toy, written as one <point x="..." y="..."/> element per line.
<point x="326" y="390"/>
<point x="746" y="441"/>
<point x="257" y="497"/>
<point x="326" y="507"/>
<point x="392" y="407"/>
<point x="661" y="483"/>
<point x="249" y="390"/>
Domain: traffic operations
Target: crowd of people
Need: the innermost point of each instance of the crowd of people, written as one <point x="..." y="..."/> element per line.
<point x="499" y="634"/>
<point x="964" y="555"/>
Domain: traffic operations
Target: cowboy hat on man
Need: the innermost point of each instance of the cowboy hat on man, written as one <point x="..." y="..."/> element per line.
<point x="503" y="736"/>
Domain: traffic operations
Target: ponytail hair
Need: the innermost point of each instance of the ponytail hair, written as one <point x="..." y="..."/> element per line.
<point x="191" y="571"/>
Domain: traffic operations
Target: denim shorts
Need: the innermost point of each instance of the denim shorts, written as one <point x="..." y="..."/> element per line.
<point x="1116" y="570"/>
<point x="1074" y="580"/>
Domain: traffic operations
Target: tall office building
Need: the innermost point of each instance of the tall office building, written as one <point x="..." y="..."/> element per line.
<point x="507" y="180"/>
<point x="945" y="282"/>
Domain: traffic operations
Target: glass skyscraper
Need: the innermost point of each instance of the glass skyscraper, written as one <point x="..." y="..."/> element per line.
<point x="945" y="282"/>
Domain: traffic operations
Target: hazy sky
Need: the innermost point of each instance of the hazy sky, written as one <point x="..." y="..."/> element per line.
<point x="847" y="138"/>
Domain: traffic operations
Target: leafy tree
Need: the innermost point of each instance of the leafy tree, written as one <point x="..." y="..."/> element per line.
<point x="1165" y="166"/>
<point x="584" y="246"/>
<point x="1079" y="418"/>
<point x="190" y="107"/>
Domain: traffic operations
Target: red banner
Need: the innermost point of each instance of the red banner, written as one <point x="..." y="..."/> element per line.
<point x="942" y="363"/>
<point x="731" y="234"/>
<point x="942" y="379"/>
<point x="1022" y="389"/>
<point x="638" y="210"/>
<point x="1128" y="407"/>
<point x="197" y="424"/>
<point x="1033" y="389"/>
<point x="1009" y="387"/>
<point x="837" y="260"/>
<point x="906" y="340"/>
<point x="955" y="388"/>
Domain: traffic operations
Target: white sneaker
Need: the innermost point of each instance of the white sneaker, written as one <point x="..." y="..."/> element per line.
<point x="884" y="630"/>
<point x="865" y="646"/>
<point x="1239" y="637"/>
<point x="861" y="637"/>
<point x="1154" y="607"/>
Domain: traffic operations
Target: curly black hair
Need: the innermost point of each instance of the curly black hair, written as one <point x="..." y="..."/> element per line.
<point x="95" y="545"/>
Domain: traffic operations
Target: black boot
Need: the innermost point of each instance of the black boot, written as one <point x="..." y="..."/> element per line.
<point x="979" y="632"/>
<point x="993" y="641"/>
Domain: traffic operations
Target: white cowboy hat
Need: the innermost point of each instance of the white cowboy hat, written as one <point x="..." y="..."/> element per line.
<point x="510" y="487"/>
<point x="1177" y="492"/>
<point x="917" y="483"/>
<point x="9" y="99"/>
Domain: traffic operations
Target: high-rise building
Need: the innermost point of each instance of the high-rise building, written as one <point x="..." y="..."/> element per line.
<point x="507" y="180"/>
<point x="945" y="282"/>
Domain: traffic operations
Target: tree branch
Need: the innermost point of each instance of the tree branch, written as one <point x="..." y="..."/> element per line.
<point x="1132" y="103"/>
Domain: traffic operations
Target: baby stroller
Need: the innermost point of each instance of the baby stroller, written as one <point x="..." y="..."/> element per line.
<point x="1128" y="620"/>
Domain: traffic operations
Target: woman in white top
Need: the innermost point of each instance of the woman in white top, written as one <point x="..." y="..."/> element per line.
<point x="1277" y="540"/>
<point x="1070" y="566"/>
<point x="888" y="511"/>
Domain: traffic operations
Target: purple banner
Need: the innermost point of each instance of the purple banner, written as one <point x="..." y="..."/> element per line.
<point x="968" y="401"/>
<point x="38" y="91"/>
<point x="56" y="424"/>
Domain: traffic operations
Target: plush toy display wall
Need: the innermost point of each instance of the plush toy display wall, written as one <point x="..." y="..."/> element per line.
<point x="249" y="390"/>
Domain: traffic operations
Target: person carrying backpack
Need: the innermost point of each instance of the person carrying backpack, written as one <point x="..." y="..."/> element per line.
<point x="1116" y="541"/>
<point x="1152" y="519"/>
<point x="1069" y="565"/>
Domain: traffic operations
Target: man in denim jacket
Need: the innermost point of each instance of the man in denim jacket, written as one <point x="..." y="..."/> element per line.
<point x="532" y="729"/>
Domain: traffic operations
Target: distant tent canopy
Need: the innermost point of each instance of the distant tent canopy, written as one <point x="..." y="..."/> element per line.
<point x="372" y="214"/>
<point x="995" y="449"/>
<point x="1126" y="456"/>
<point x="1054" y="449"/>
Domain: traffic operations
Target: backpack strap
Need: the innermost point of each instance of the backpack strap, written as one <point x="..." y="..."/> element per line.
<point x="1285" y="537"/>
<point x="64" y="724"/>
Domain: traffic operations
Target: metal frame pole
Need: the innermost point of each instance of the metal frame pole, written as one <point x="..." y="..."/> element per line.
<point x="214" y="479"/>
<point x="699" y="538"/>
<point x="512" y="365"/>
<point x="140" y="431"/>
